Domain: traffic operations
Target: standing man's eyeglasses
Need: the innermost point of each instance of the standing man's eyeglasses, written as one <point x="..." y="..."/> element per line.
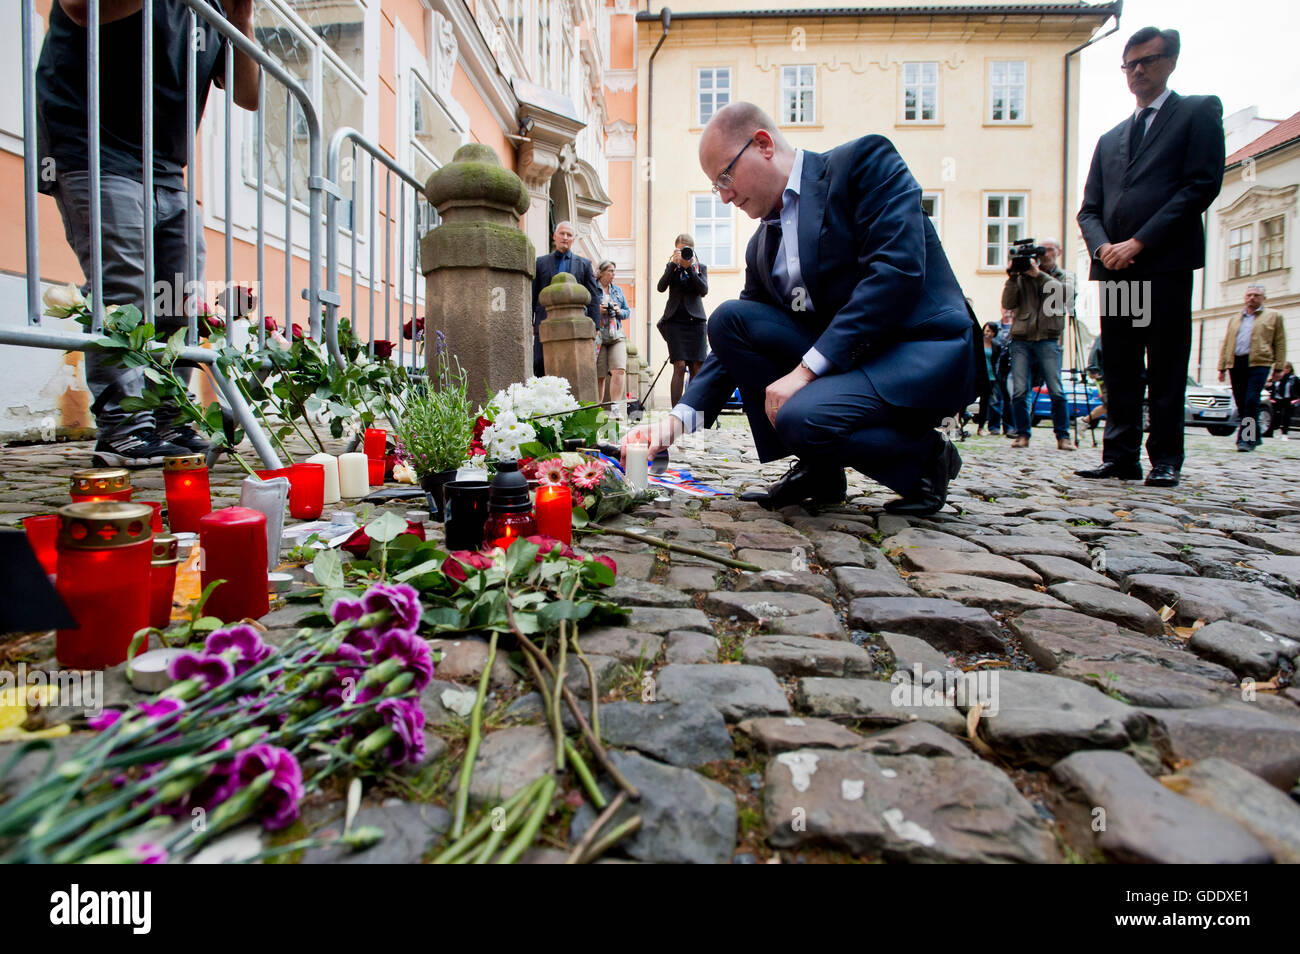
<point x="724" y="181"/>
<point x="1146" y="62"/>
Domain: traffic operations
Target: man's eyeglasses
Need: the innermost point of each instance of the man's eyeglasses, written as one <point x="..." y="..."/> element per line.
<point x="1146" y="62"/>
<point x="724" y="181"/>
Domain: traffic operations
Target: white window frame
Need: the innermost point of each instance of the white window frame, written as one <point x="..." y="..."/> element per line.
<point x="729" y="217"/>
<point x="712" y="92"/>
<point x="919" y="83"/>
<point x="542" y="49"/>
<point x="1279" y="238"/>
<point x="1005" y="223"/>
<point x="936" y="217"/>
<point x="1008" y="90"/>
<point x="791" y="111"/>
<point x="1247" y="245"/>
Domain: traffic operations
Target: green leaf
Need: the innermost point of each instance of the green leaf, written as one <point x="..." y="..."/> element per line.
<point x="429" y="566"/>
<point x="528" y="623"/>
<point x="534" y="449"/>
<point x="520" y="556"/>
<point x="328" y="569"/>
<point x="385" y="527"/>
<point x="596" y="574"/>
<point x="206" y="624"/>
<point x="197" y="609"/>
<point x="442" y="617"/>
<point x="580" y="518"/>
<point x="551" y="614"/>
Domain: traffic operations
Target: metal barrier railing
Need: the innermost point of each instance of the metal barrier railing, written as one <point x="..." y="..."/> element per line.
<point x="32" y="335"/>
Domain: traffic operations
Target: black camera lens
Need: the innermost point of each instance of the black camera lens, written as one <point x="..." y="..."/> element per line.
<point x="688" y="253"/>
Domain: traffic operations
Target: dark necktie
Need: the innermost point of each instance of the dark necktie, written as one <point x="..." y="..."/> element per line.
<point x="562" y="262"/>
<point x="1139" y="130"/>
<point x="773" y="239"/>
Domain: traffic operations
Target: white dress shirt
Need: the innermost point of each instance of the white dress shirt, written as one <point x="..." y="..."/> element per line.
<point x="1154" y="107"/>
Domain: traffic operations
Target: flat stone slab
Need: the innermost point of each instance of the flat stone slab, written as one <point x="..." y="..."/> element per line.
<point x="1120" y="565"/>
<point x="774" y="559"/>
<point x="793" y="613"/>
<point x="781" y="734"/>
<point x="685" y="733"/>
<point x="1287" y="544"/>
<point x="508" y="761"/>
<point x="1146" y="683"/>
<point x="1248" y="800"/>
<point x="1018" y="544"/>
<point x="787" y="581"/>
<point x="1052" y="569"/>
<point x="992" y="595"/>
<point x="875" y="702"/>
<point x="910" y="652"/>
<point x="855" y="582"/>
<point x="685" y="817"/>
<point x="919" y="538"/>
<point x="837" y="549"/>
<point x="625" y="645"/>
<point x="689" y="647"/>
<point x="1142" y="821"/>
<point x="607" y="670"/>
<point x="1103" y="603"/>
<point x="628" y="592"/>
<point x="1246" y="735"/>
<point x="1247" y="603"/>
<point x="946" y="625"/>
<point x="649" y="619"/>
<point x="918" y="738"/>
<point x="410" y="829"/>
<point x="807" y="656"/>
<point x="1041" y="718"/>
<point x="784" y="539"/>
<point x="903" y="807"/>
<point x="1283" y="567"/>
<point x="973" y="564"/>
<point x="738" y="692"/>
<point x="1245" y="650"/>
<point x="692" y="579"/>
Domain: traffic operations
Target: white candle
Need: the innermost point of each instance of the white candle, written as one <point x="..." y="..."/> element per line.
<point x="331" y="464"/>
<point x="149" y="670"/>
<point x="638" y="464"/>
<point x="354" y="475"/>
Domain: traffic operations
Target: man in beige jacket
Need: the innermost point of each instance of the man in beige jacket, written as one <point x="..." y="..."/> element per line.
<point x="1253" y="346"/>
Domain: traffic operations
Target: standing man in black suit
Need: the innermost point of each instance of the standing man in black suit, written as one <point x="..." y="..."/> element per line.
<point x="1152" y="177"/>
<point x="563" y="259"/>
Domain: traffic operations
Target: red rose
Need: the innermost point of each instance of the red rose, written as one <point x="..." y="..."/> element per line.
<point x="359" y="543"/>
<point x="546" y="544"/>
<point x="383" y="349"/>
<point x="419" y="328"/>
<point x="270" y="325"/>
<point x="454" y="566"/>
<point x="609" y="562"/>
<point x="297" y="331"/>
<point x="528" y="467"/>
<point x="476" y="449"/>
<point x="479" y="425"/>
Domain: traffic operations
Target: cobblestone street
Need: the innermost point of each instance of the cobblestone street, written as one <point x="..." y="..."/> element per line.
<point x="981" y="685"/>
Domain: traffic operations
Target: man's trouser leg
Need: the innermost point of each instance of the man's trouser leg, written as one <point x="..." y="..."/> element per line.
<point x="169" y="262"/>
<point x="539" y="366"/>
<point x="1020" y="360"/>
<point x="1246" y="385"/>
<point x="1169" y="345"/>
<point x="1048" y="354"/>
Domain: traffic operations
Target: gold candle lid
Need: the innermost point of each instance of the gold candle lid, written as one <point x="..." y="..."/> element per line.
<point x="185" y="462"/>
<point x="101" y="481"/>
<point x="166" y="549"/>
<point x="104" y="524"/>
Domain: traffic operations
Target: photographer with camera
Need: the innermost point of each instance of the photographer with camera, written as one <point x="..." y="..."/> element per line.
<point x="683" y="326"/>
<point x="1039" y="303"/>
<point x="611" y="359"/>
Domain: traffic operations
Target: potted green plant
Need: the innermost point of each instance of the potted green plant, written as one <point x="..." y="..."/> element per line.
<point x="435" y="428"/>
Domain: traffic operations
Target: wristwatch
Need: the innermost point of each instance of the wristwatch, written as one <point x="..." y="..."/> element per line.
<point x="804" y="364"/>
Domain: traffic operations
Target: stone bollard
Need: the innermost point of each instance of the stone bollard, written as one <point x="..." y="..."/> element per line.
<point x="568" y="335"/>
<point x="634" y="366"/>
<point x="478" y="266"/>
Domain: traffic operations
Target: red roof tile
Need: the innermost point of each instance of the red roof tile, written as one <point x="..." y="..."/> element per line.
<point x="1284" y="132"/>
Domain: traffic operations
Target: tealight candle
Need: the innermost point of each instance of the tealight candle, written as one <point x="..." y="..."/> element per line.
<point x="354" y="475"/>
<point x="331" y="464"/>
<point x="149" y="670"/>
<point x="638" y="465"/>
<point x="234" y="550"/>
<point x="555" y="513"/>
<point x="188" y="494"/>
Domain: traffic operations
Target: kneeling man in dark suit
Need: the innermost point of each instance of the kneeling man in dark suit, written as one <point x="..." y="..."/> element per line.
<point x="851" y="340"/>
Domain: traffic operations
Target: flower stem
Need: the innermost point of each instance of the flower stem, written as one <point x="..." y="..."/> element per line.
<point x="589" y="835"/>
<point x="584" y="775"/>
<point x="475" y="733"/>
<point x="674" y="547"/>
<point x="541" y="807"/>
<point x="613" y="838"/>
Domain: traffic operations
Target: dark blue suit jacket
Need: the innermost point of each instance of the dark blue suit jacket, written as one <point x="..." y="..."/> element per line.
<point x="582" y="272"/>
<point x="885" y="296"/>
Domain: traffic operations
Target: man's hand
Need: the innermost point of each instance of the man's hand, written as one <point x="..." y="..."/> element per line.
<point x="659" y="436"/>
<point x="782" y="389"/>
<point x="677" y="259"/>
<point x="1221" y="377"/>
<point x="1120" y="255"/>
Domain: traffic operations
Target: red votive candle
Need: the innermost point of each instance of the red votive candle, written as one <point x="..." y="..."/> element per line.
<point x="376" y="468"/>
<point x="306" y="491"/>
<point x="42" y="533"/>
<point x="234" y="550"/>
<point x="376" y="443"/>
<point x="503" y="529"/>
<point x="89" y="486"/>
<point x="162" y="579"/>
<point x="105" y="550"/>
<point x="188" y="495"/>
<point x="156" y="520"/>
<point x="555" y="513"/>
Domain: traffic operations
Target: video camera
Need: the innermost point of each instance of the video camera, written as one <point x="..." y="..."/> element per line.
<point x="1022" y="254"/>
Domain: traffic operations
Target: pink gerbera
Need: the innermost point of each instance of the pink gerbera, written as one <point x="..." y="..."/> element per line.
<point x="587" y="475"/>
<point x="552" y="473"/>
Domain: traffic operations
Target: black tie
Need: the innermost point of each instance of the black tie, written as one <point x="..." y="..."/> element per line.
<point x="773" y="242"/>
<point x="1139" y="130"/>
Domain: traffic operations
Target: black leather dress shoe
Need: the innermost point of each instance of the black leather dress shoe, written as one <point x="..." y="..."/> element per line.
<point x="1112" y="470"/>
<point x="933" y="493"/>
<point x="1162" y="475"/>
<point x="802" y="483"/>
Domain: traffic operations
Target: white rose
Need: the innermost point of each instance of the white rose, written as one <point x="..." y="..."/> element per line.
<point x="62" y="300"/>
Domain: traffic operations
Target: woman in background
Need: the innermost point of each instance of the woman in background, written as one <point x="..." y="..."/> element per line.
<point x="611" y="359"/>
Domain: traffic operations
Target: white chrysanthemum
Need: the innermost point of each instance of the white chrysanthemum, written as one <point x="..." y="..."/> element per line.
<point x="504" y="419"/>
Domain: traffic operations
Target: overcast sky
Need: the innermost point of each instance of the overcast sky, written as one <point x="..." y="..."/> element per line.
<point x="1246" y="52"/>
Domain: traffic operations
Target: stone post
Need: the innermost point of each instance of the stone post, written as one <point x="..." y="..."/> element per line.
<point x="568" y="335"/>
<point x="478" y="266"/>
<point x="634" y="371"/>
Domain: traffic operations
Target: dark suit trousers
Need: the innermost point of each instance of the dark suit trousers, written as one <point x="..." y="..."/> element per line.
<point x="839" y="420"/>
<point x="1162" y="337"/>
<point x="1247" y="382"/>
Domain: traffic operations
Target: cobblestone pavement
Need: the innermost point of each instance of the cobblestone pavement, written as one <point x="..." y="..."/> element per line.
<point x="1050" y="670"/>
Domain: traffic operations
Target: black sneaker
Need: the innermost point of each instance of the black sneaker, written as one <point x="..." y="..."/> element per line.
<point x="141" y="449"/>
<point x="185" y="437"/>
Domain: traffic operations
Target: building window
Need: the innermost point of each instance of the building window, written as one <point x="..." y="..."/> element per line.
<point x="798" y="95"/>
<point x="1272" y="243"/>
<point x="515" y="21"/>
<point x="714" y="88"/>
<point x="1239" y="251"/>
<point x="1004" y="223"/>
<point x="920" y="92"/>
<point x="544" y="43"/>
<point x="932" y="205"/>
<point x="1007" y="83"/>
<point x="712" y="225"/>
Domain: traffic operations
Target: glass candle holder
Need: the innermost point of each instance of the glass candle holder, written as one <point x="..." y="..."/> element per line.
<point x="375" y="470"/>
<point x="376" y="441"/>
<point x="104" y="556"/>
<point x="90" y="486"/>
<point x="555" y="513"/>
<point x="42" y="535"/>
<point x="162" y="579"/>
<point x="466" y="511"/>
<point x="306" y="491"/>
<point x="503" y="529"/>
<point x="188" y="494"/>
<point x="234" y="550"/>
<point x="156" y="521"/>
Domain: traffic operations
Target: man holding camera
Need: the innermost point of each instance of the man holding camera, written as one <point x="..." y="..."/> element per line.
<point x="563" y="259"/>
<point x="1038" y="301"/>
